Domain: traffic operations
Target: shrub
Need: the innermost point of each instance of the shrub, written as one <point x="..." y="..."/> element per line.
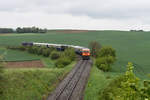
<point x="45" y="52"/>
<point x="30" y="49"/>
<point x="95" y="48"/>
<point x="70" y="53"/>
<point x="107" y="51"/>
<point x="62" y="62"/>
<point x="104" y="63"/>
<point x="125" y="87"/>
<point x="55" y="55"/>
<point x="39" y="50"/>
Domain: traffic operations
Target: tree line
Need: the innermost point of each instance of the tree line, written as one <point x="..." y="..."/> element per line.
<point x="6" y="30"/>
<point x="23" y="30"/>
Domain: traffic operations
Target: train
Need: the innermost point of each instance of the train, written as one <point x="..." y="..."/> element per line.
<point x="82" y="51"/>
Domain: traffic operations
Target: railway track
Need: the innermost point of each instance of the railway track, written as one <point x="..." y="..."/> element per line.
<point x="72" y="87"/>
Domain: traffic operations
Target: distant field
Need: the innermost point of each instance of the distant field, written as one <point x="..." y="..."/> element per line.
<point x="130" y="46"/>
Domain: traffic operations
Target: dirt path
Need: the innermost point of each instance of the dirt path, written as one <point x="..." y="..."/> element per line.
<point x="72" y="87"/>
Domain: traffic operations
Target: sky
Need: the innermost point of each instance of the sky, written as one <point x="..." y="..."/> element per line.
<point x="76" y="14"/>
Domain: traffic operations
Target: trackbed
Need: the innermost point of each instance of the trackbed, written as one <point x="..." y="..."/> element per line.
<point x="72" y="87"/>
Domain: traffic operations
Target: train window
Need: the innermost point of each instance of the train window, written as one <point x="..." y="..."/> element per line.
<point x="86" y="51"/>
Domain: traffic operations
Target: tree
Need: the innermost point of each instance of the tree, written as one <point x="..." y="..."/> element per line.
<point x="19" y="30"/>
<point x="95" y="48"/>
<point x="30" y="30"/>
<point x="107" y="51"/>
<point x="131" y="84"/>
<point x="6" y="30"/>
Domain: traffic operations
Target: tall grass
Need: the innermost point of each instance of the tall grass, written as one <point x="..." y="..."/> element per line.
<point x="31" y="84"/>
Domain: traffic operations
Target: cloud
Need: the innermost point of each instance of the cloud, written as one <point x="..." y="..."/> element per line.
<point x="113" y="14"/>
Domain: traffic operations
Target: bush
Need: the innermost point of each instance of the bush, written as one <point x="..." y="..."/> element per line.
<point x="55" y="55"/>
<point x="70" y="53"/>
<point x="125" y="87"/>
<point x="39" y="50"/>
<point x="30" y="49"/>
<point x="107" y="51"/>
<point x="106" y="57"/>
<point x="46" y="52"/>
<point x="104" y="63"/>
<point x="62" y="62"/>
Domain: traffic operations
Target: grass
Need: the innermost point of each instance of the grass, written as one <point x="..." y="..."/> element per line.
<point x="98" y="80"/>
<point x="16" y="55"/>
<point x="130" y="46"/>
<point x="48" y="62"/>
<point x="31" y="84"/>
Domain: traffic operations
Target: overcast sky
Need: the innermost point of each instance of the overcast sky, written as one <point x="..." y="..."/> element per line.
<point x="76" y="14"/>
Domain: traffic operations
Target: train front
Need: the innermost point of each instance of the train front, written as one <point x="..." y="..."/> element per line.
<point x="85" y="54"/>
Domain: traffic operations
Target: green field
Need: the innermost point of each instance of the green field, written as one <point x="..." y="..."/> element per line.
<point x="16" y="55"/>
<point x="130" y="46"/>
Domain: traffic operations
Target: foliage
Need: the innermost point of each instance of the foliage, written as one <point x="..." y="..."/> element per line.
<point x="107" y="51"/>
<point x="106" y="57"/>
<point x="6" y="30"/>
<point x="126" y="87"/>
<point x="31" y="84"/>
<point x="62" y="62"/>
<point x="46" y="52"/>
<point x="104" y="63"/>
<point x="70" y="53"/>
<point x="95" y="48"/>
<point x="130" y="85"/>
<point x="55" y="55"/>
<point x="145" y="91"/>
<point x="30" y="30"/>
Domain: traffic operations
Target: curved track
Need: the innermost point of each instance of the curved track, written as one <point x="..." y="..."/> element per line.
<point x="72" y="87"/>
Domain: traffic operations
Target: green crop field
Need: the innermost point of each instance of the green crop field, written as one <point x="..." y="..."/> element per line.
<point x="130" y="46"/>
<point x="16" y="55"/>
